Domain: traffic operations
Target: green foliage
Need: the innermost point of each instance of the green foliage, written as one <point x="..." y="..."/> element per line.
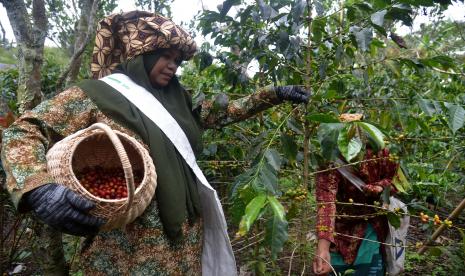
<point x="54" y="60"/>
<point x="252" y="211"/>
<point x="348" y="144"/>
<point x="435" y="262"/>
<point x="400" y="181"/>
<point x="162" y="7"/>
<point x="8" y="86"/>
<point x="8" y="55"/>
<point x="410" y="97"/>
<point x="65" y="17"/>
<point x="374" y="133"/>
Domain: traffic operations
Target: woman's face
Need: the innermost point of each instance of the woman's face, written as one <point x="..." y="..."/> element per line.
<point x="165" y="68"/>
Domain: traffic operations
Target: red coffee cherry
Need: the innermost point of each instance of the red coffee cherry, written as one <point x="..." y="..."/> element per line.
<point x="107" y="183"/>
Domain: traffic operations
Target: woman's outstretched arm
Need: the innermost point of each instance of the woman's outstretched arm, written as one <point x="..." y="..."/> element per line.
<point x="221" y="112"/>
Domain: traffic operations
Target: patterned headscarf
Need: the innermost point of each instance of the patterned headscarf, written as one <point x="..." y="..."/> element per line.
<point x="347" y="117"/>
<point x="125" y="35"/>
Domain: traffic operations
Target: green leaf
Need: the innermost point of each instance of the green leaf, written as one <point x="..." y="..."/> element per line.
<point x="411" y="63"/>
<point x="435" y="251"/>
<point x="294" y="126"/>
<point x="242" y="180"/>
<point x="349" y="147"/>
<point x="363" y="7"/>
<point x="378" y="17"/>
<point x="443" y="2"/>
<point x="336" y="87"/>
<point x="197" y="100"/>
<point x="401" y="13"/>
<point x="339" y="51"/>
<point x="456" y="117"/>
<point x="318" y="29"/>
<point x="266" y="10"/>
<point x="298" y="10"/>
<point x="283" y="41"/>
<point x="259" y="267"/>
<point x="381" y="4"/>
<point x="266" y="179"/>
<point x="444" y="62"/>
<point x="220" y="102"/>
<point x="385" y="195"/>
<point x="385" y="119"/>
<point x="418" y="3"/>
<point x="276" y="235"/>
<point x="320" y="10"/>
<point x="400" y="181"/>
<point x="373" y="132"/>
<point x="226" y="6"/>
<point x="205" y="60"/>
<point x="462" y="234"/>
<point x="427" y="107"/>
<point x="327" y="136"/>
<point x="380" y="30"/>
<point x="377" y="20"/>
<point x="363" y="36"/>
<point x="289" y="147"/>
<point x="252" y="211"/>
<point x="273" y="158"/>
<point x="322" y="69"/>
<point x="394" y="67"/>
<point x="322" y="118"/>
<point x="292" y="211"/>
<point x="238" y="203"/>
<point x="277" y="207"/>
<point x="393" y="219"/>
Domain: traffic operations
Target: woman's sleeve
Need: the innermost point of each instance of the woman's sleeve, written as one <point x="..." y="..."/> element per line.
<point x="326" y="190"/>
<point x="213" y="115"/>
<point x="27" y="140"/>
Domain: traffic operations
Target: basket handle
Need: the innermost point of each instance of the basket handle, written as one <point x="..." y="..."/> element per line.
<point x="127" y="168"/>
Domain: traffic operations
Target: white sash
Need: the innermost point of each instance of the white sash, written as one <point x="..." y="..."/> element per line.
<point x="217" y="254"/>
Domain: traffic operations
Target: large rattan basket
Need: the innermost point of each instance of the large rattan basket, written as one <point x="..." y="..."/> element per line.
<point x="99" y="145"/>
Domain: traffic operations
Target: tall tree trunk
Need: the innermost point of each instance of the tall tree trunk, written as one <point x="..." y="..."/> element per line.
<point x="3" y="35"/>
<point x="30" y="38"/>
<point x="30" y="32"/>
<point x="84" y="32"/>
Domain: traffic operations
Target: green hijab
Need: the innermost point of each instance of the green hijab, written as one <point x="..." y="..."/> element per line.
<point x="176" y="192"/>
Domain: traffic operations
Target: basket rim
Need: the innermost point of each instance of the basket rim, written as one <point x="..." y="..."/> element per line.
<point x="84" y="190"/>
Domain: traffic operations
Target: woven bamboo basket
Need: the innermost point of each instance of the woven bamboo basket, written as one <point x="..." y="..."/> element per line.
<point x="99" y="145"/>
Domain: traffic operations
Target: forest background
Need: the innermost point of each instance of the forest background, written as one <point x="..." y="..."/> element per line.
<point x="354" y="58"/>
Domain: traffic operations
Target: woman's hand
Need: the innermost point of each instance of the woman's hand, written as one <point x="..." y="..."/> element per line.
<point x="293" y="93"/>
<point x="372" y="190"/>
<point x="322" y="260"/>
<point x="63" y="209"/>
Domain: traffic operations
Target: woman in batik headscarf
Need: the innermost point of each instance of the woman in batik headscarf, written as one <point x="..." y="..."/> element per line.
<point x="167" y="238"/>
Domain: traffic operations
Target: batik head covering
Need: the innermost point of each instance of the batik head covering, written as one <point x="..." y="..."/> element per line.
<point x="348" y="117"/>
<point x="123" y="36"/>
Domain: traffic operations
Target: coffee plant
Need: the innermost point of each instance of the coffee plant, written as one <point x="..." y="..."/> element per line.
<point x="349" y="55"/>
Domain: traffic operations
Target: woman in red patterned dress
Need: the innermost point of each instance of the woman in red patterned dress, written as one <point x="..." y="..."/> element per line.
<point x="344" y="230"/>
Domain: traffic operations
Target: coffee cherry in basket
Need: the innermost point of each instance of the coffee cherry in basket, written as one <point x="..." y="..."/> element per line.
<point x="107" y="183"/>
